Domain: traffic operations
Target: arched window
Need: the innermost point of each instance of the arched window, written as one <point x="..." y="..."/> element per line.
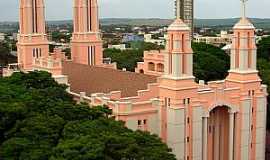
<point x="141" y="71"/>
<point x="160" y="67"/>
<point x="151" y="66"/>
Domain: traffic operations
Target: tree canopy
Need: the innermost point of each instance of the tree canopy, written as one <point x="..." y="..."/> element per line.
<point x="264" y="67"/>
<point x="210" y="62"/>
<point x="40" y="121"/>
<point x="5" y="56"/>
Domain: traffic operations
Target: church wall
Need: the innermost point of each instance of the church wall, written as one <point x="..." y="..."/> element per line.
<point x="176" y="131"/>
<point x="245" y="141"/>
<point x="261" y="111"/>
<point x="197" y="132"/>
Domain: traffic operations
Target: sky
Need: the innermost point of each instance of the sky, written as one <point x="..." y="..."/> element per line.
<point x="210" y="9"/>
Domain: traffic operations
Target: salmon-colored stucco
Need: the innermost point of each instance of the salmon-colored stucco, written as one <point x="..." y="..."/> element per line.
<point x="220" y="120"/>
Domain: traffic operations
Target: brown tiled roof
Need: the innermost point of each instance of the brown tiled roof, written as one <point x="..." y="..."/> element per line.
<point x="90" y="79"/>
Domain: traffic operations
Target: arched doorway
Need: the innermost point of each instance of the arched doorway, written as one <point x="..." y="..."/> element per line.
<point x="219" y="133"/>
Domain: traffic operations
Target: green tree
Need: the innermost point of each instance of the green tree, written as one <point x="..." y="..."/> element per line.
<point x="210" y="62"/>
<point x="264" y="48"/>
<point x="5" y="56"/>
<point x="125" y="59"/>
<point x="41" y="121"/>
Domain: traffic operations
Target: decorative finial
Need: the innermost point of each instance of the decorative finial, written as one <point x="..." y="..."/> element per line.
<point x="177" y="9"/>
<point x="243" y="8"/>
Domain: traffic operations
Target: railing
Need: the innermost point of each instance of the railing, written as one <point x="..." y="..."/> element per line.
<point x="48" y="63"/>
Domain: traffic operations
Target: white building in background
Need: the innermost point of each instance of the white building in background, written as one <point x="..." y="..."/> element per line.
<point x="118" y="46"/>
<point x="161" y="41"/>
<point x="223" y="38"/>
<point x="2" y="36"/>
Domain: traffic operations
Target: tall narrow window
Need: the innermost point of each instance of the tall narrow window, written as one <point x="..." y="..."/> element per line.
<point x="183" y="43"/>
<point x="40" y="52"/>
<point x="90" y="15"/>
<point x="33" y="16"/>
<point x="170" y="56"/>
<point x="249" y="51"/>
<point x="37" y="53"/>
<point x="89" y="55"/>
<point x="94" y="55"/>
<point x="184" y="64"/>
<point x="34" y="52"/>
<point x="36" y="17"/>
<point x="237" y="50"/>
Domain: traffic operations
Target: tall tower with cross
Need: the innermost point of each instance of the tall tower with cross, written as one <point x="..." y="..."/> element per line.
<point x="178" y="90"/>
<point x="243" y="74"/>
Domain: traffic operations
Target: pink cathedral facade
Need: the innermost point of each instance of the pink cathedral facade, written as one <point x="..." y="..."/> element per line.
<point x="220" y="120"/>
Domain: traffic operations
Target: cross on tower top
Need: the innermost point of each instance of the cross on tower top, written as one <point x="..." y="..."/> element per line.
<point x="177" y="9"/>
<point x="244" y="8"/>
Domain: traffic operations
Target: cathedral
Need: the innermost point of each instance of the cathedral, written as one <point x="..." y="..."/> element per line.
<point x="219" y="120"/>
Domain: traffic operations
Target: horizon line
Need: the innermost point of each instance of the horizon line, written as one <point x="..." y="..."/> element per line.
<point x="144" y="19"/>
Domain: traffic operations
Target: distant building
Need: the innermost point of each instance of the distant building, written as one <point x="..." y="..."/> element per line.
<point x="118" y="46"/>
<point x="132" y="37"/>
<point x="64" y="31"/>
<point x="186" y="12"/>
<point x="2" y="36"/>
<point x="222" y="38"/>
<point x="160" y="41"/>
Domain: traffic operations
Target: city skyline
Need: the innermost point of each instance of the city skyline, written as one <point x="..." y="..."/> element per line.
<point x="208" y="9"/>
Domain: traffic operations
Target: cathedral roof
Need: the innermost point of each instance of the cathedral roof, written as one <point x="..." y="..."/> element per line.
<point x="91" y="79"/>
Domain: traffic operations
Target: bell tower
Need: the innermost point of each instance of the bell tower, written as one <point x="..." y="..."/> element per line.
<point x="243" y="70"/>
<point x="86" y="44"/>
<point x="243" y="75"/>
<point x="32" y="38"/>
<point x="179" y="60"/>
<point x="178" y="90"/>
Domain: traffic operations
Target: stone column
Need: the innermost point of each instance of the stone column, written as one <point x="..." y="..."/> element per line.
<point x="217" y="136"/>
<point x="231" y="134"/>
<point x="205" y="136"/>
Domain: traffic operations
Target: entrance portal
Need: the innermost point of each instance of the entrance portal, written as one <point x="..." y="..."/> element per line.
<point x="218" y="134"/>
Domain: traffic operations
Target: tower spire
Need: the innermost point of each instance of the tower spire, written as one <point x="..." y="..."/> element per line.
<point x="177" y="9"/>
<point x="243" y="5"/>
